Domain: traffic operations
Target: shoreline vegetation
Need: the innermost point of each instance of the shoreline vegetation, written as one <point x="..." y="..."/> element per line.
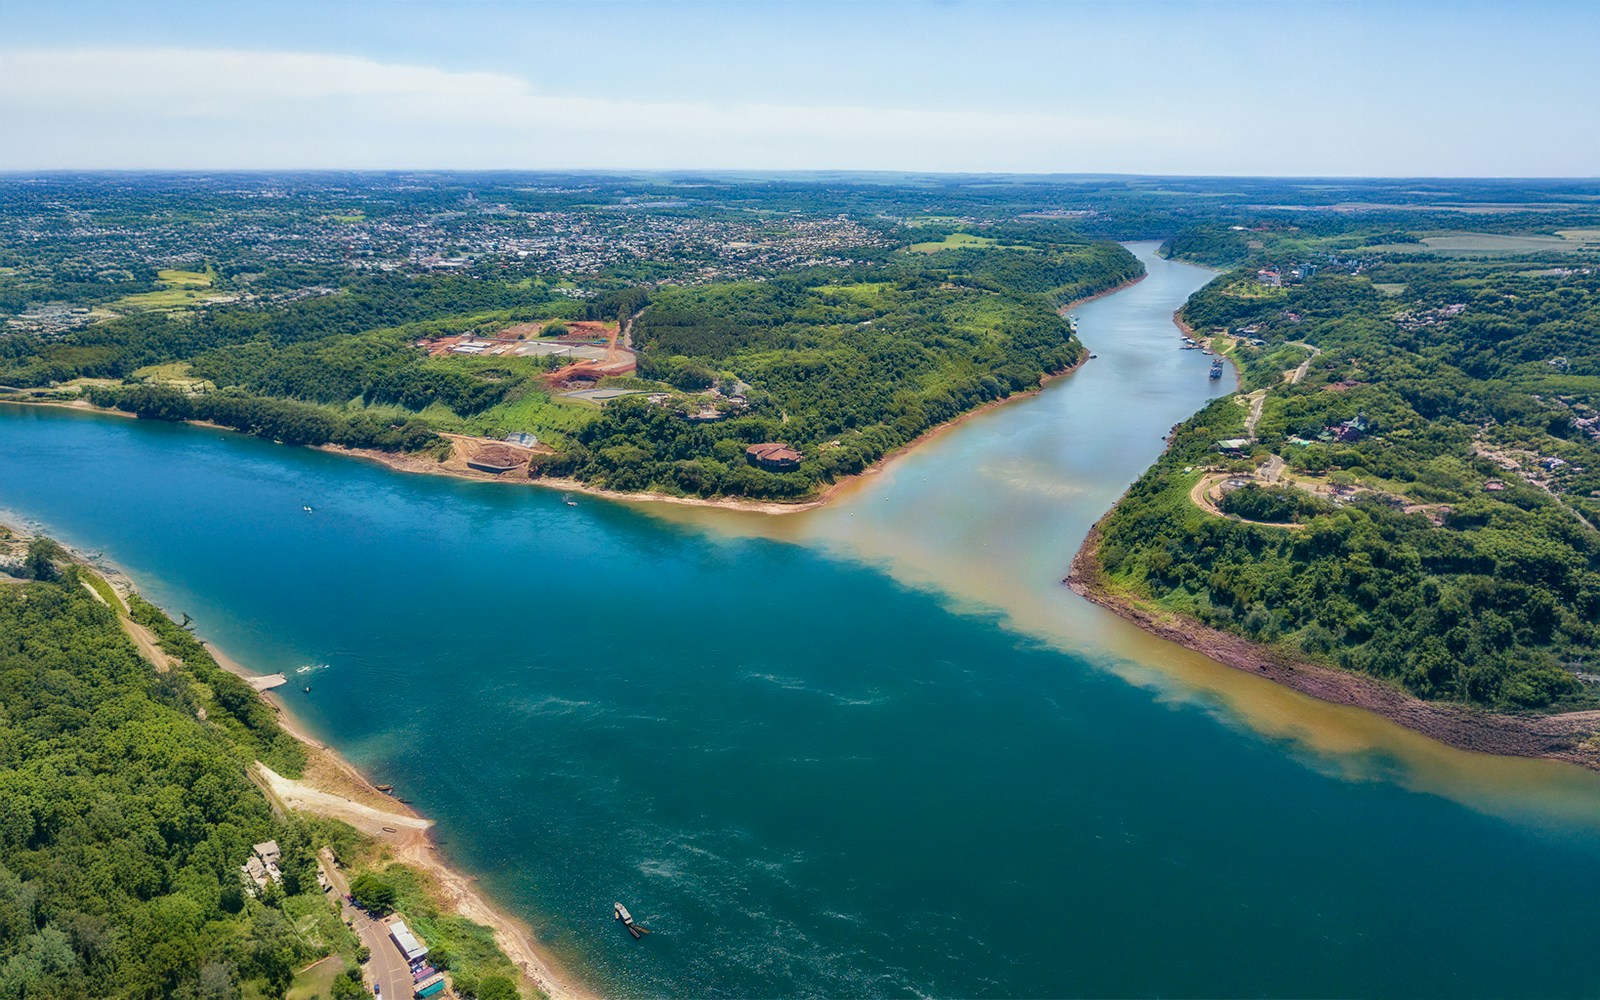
<point x="331" y="787"/>
<point x="1416" y="560"/>
<point x="1565" y="736"/>
<point x="455" y="465"/>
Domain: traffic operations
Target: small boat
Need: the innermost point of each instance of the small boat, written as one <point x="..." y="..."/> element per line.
<point x="571" y="503"/>
<point x="626" y="919"/>
<point x="307" y="509"/>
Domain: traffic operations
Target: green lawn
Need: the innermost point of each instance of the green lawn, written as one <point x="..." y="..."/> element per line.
<point x="186" y="279"/>
<point x="316" y="981"/>
<point x="1492" y="244"/>
<point x="955" y="241"/>
<point x="183" y="289"/>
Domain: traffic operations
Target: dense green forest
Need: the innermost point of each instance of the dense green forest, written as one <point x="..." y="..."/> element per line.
<point x="124" y="817"/>
<point x="843" y="366"/>
<point x="1443" y="457"/>
<point x="126" y="809"/>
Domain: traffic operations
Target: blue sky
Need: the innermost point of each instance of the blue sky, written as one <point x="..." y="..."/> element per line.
<point x="1260" y="88"/>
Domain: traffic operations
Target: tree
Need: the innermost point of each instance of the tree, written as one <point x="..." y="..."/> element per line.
<point x="40" y="563"/>
<point x="497" y="988"/>
<point x="373" y="892"/>
<point x="217" y="982"/>
<point x="348" y="986"/>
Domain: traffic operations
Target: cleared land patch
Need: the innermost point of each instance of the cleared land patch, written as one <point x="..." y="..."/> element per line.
<point x="955" y="241"/>
<point x="181" y="290"/>
<point x="1468" y="243"/>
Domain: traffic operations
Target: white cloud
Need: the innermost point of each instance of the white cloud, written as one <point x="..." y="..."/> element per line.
<point x="158" y="108"/>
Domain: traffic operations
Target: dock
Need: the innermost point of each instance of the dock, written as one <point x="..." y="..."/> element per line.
<point x="266" y="682"/>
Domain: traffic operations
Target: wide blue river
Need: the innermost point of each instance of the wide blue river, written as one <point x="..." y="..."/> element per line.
<point x="873" y="750"/>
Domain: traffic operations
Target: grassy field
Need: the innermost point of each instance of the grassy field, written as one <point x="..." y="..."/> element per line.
<point x="181" y="290"/>
<point x="1249" y="288"/>
<point x="867" y="293"/>
<point x="316" y="981"/>
<point x="177" y="374"/>
<point x="1494" y="244"/>
<point x="550" y="419"/>
<point x="187" y="279"/>
<point x="955" y="241"/>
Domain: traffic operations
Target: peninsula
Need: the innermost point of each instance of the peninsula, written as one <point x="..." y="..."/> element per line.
<point x="1398" y="510"/>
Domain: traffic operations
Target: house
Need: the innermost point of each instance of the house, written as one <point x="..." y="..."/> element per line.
<point x="262" y="866"/>
<point x="1233" y="446"/>
<point x="407" y="942"/>
<point x="1270" y="277"/>
<point x="773" y="456"/>
<point x="256" y="872"/>
<point x="1352" y="429"/>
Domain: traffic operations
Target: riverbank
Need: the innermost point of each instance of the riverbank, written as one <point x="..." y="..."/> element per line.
<point x="1572" y="737"/>
<point x="457" y="469"/>
<point x="455" y="466"/>
<point x="333" y="787"/>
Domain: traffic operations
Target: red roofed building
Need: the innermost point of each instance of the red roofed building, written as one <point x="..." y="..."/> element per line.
<point x="774" y="457"/>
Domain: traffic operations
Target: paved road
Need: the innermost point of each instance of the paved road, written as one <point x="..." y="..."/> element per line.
<point x="387" y="967"/>
<point x="1296" y="375"/>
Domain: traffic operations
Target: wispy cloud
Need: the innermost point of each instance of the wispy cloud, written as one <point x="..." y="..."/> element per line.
<point x="146" y="107"/>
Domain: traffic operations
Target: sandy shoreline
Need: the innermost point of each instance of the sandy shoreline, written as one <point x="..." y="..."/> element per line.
<point x="1573" y="737"/>
<point x="334" y="787"/>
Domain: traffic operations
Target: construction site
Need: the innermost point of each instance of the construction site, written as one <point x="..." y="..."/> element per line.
<point x="595" y="350"/>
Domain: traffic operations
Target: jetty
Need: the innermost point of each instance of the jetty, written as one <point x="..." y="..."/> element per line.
<point x="266" y="682"/>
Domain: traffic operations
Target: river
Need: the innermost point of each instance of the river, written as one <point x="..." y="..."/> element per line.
<point x="876" y="749"/>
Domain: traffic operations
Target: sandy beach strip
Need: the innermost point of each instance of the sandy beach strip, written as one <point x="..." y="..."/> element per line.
<point x="335" y="788"/>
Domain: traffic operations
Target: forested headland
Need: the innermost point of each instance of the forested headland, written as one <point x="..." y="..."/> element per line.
<point x="1420" y="506"/>
<point x="127" y="809"/>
